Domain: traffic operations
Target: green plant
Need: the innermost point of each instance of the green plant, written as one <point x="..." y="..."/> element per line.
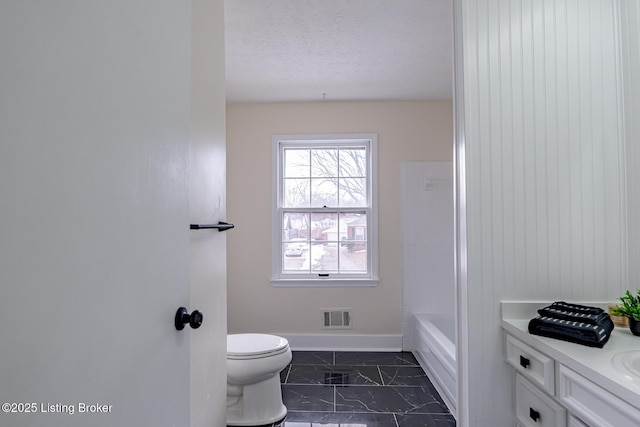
<point x="630" y="306"/>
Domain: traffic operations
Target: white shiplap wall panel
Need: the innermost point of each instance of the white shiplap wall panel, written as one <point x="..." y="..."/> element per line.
<point x="545" y="195"/>
<point x="630" y="41"/>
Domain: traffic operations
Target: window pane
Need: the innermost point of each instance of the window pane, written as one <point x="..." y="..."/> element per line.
<point x="324" y="192"/>
<point x="353" y="162"/>
<point x="353" y="192"/>
<point x="296" y="255"/>
<point x="354" y="225"/>
<point x="296" y="193"/>
<point x="297" y="163"/>
<point x="324" y="257"/>
<point x="324" y="226"/>
<point x="353" y="257"/>
<point x="324" y="163"/>
<point x="295" y="227"/>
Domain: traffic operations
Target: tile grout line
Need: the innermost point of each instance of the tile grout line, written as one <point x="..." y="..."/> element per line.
<point x="380" y="373"/>
<point x="335" y="389"/>
<point x="286" y="377"/>
<point x="395" y="418"/>
<point x="335" y="404"/>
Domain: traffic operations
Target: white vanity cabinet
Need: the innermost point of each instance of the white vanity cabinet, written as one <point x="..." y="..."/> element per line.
<point x="548" y="393"/>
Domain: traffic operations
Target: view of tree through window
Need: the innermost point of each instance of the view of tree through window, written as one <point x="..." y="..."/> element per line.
<point x="325" y="177"/>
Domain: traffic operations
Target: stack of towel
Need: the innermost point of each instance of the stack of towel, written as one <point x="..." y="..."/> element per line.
<point x="581" y="324"/>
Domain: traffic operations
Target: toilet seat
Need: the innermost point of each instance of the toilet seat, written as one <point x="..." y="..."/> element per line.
<point x="255" y="346"/>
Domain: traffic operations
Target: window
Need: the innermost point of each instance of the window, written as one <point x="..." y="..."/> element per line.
<point x="324" y="212"/>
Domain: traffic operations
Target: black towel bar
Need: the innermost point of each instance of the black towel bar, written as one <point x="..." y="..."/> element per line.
<point x="221" y="226"/>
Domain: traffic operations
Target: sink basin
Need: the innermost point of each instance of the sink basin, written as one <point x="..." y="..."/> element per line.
<point x="628" y="364"/>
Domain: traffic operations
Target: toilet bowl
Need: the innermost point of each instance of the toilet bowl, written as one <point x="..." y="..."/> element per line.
<point x="254" y="395"/>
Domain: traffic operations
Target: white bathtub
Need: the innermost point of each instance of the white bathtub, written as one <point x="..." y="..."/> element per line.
<point x="434" y="347"/>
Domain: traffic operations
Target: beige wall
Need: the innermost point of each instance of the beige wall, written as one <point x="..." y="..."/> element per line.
<point x="407" y="131"/>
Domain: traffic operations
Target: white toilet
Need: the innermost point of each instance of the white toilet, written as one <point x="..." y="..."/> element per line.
<point x="254" y="395"/>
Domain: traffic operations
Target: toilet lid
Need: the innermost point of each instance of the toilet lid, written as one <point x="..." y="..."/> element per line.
<point x="254" y="345"/>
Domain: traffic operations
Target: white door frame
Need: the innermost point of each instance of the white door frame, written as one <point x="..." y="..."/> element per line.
<point x="462" y="321"/>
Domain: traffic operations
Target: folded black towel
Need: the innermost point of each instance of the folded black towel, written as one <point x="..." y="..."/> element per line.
<point x="575" y="313"/>
<point x="576" y="308"/>
<point x="590" y="326"/>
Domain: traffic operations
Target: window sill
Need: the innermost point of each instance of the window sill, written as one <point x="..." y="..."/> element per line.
<point x="324" y="283"/>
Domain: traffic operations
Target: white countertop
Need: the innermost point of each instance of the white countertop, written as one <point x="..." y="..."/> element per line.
<point x="591" y="362"/>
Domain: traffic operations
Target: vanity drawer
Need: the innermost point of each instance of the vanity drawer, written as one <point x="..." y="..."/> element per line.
<point x="531" y="363"/>
<point x="592" y="403"/>
<point x="534" y="408"/>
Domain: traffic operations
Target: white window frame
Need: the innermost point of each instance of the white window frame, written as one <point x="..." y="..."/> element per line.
<point x="279" y="278"/>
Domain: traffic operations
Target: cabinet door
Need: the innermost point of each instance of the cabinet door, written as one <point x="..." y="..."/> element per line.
<point x="534" y="408"/>
<point x="592" y="403"/>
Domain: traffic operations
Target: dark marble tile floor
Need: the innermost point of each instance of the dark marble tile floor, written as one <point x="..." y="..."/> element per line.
<point x="360" y="389"/>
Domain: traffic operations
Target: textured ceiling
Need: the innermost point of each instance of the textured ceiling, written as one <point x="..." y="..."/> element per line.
<point x="298" y="50"/>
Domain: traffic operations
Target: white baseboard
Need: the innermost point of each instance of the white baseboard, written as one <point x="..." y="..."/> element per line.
<point x="321" y="342"/>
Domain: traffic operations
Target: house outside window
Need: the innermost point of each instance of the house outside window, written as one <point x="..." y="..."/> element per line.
<point x="324" y="210"/>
